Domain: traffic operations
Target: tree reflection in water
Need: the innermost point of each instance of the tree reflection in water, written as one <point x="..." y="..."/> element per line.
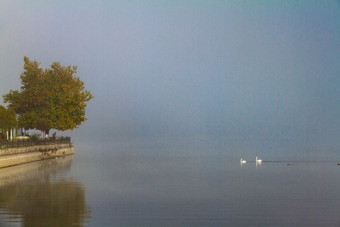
<point x="39" y="198"/>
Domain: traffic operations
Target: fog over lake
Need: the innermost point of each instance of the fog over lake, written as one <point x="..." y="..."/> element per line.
<point x="229" y="68"/>
<point x="183" y="90"/>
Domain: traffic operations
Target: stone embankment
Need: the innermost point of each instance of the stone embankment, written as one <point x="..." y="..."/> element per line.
<point x="21" y="155"/>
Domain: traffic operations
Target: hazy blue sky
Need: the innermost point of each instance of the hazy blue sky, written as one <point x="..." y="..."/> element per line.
<point x="241" y="69"/>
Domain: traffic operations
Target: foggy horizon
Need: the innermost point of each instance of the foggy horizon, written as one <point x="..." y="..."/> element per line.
<point x="236" y="69"/>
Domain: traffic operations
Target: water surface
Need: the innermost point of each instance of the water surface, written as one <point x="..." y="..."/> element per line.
<point x="161" y="182"/>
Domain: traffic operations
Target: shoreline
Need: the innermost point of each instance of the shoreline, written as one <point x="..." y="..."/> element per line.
<point x="21" y="155"/>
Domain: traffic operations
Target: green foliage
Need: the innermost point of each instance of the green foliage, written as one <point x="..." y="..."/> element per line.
<point x="53" y="98"/>
<point x="7" y="119"/>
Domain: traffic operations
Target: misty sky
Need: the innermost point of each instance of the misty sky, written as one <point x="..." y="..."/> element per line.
<point x="240" y="69"/>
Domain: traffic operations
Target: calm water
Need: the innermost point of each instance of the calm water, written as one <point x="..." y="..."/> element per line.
<point x="158" y="182"/>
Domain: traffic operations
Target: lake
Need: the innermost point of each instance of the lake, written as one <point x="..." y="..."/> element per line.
<point x="175" y="182"/>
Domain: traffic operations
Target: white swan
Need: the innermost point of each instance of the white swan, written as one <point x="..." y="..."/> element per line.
<point x="243" y="161"/>
<point x="259" y="161"/>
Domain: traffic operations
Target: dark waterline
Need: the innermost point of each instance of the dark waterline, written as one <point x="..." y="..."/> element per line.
<point x="169" y="183"/>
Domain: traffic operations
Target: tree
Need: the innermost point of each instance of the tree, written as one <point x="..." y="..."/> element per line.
<point x="8" y="119"/>
<point x="53" y="98"/>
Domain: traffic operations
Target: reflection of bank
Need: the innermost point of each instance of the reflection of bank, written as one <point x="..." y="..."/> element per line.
<point x="31" y="194"/>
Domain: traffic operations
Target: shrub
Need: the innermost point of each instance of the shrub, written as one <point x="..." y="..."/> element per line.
<point x="35" y="136"/>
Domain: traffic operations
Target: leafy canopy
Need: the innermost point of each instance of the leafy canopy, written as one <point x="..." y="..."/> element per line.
<point x="8" y="119"/>
<point x="53" y="98"/>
